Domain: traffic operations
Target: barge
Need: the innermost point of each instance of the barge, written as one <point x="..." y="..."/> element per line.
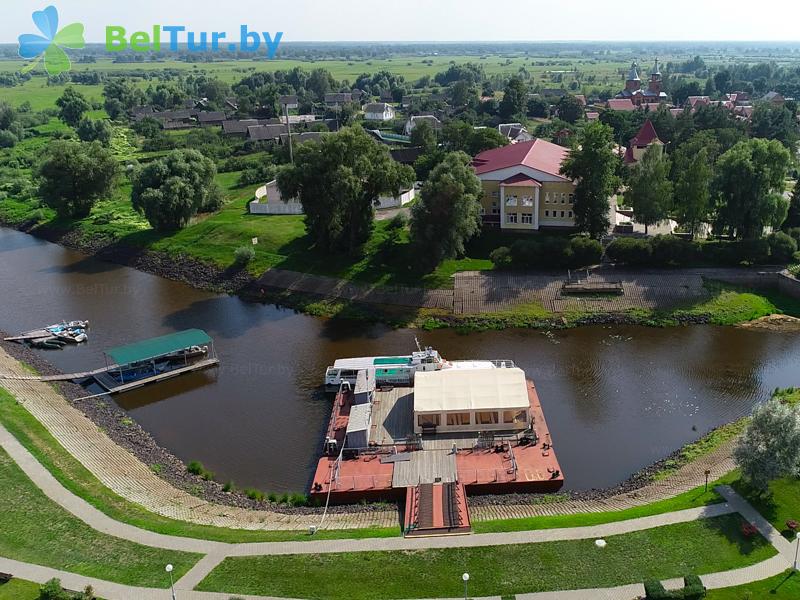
<point x="478" y="429"/>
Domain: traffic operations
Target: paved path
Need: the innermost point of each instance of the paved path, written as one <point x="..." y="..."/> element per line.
<point x="215" y="552"/>
<point x="131" y="479"/>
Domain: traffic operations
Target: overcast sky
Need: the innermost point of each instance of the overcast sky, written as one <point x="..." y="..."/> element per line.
<point x="431" y="20"/>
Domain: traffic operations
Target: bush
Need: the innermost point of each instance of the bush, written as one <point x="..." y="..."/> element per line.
<point x="796" y="257"/>
<point x="7" y="139"/>
<point x="254" y="494"/>
<point x="669" y="250"/>
<point x="693" y="588"/>
<point x="196" y="468"/>
<point x="501" y="257"/>
<point x="632" y="251"/>
<point x="243" y="255"/>
<point x="781" y="247"/>
<point x="752" y="251"/>
<point x="399" y="221"/>
<point x="585" y="251"/>
<point x="654" y="590"/>
<point x="794" y="232"/>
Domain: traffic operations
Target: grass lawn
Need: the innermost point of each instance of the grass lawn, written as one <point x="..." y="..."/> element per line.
<point x="662" y="552"/>
<point x="785" y="586"/>
<point x="691" y="499"/>
<point x="780" y="505"/>
<point x="76" y="478"/>
<point x="34" y="529"/>
<point x="19" y="589"/>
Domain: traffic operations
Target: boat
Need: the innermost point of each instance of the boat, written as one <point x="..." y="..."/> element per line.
<point x="399" y="370"/>
<point x="55" y="335"/>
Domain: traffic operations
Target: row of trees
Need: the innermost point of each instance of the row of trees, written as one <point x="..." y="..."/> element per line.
<point x="740" y="190"/>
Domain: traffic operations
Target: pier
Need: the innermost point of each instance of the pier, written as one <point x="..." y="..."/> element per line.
<point x="148" y="361"/>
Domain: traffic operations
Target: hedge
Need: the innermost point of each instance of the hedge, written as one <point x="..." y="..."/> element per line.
<point x="548" y="253"/>
<point x="669" y="250"/>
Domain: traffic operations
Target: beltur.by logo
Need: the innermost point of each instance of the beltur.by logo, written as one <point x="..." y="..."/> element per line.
<point x="203" y="41"/>
<point x="49" y="46"/>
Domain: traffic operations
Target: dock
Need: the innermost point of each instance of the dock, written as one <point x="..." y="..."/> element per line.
<point x="432" y="471"/>
<point x="139" y="364"/>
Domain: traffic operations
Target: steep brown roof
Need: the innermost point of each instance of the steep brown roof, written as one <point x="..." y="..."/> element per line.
<point x="536" y="154"/>
<point x="646" y="136"/>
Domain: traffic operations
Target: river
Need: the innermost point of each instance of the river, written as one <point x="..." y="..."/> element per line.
<point x="616" y="398"/>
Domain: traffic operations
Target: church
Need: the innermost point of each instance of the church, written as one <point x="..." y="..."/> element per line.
<point x="652" y="94"/>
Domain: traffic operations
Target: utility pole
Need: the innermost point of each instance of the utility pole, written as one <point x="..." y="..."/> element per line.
<point x="288" y="131"/>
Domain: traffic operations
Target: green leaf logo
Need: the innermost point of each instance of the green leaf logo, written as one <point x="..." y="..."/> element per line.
<point x="50" y="44"/>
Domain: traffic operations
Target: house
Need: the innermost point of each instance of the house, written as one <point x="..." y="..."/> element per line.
<point x="265" y="132"/>
<point x="378" y="111"/>
<point x="471" y="400"/>
<point x="406" y="156"/>
<point x="270" y="202"/>
<point x="207" y="119"/>
<point x="238" y="127"/>
<point x="633" y="91"/>
<point x="358" y="95"/>
<point x="289" y="101"/>
<point x="412" y="122"/>
<point x="386" y="96"/>
<point x="334" y="99"/>
<point x="515" y="132"/>
<point x="523" y="188"/>
<point x="620" y="104"/>
<point x="773" y="98"/>
<point x="299" y="138"/>
<point x="592" y="116"/>
<point x="553" y="92"/>
<point x="693" y="102"/>
<point x="582" y="99"/>
<point x="639" y="144"/>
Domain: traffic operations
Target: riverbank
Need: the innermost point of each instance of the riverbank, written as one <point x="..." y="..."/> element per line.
<point x="708" y="302"/>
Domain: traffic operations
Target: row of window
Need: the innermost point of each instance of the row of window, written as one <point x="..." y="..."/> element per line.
<point x="555" y="213"/>
<point x="481" y="418"/>
<point x="525" y="218"/>
<point x="563" y="197"/>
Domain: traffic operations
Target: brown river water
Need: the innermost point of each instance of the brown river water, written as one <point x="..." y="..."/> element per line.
<point x="616" y="398"/>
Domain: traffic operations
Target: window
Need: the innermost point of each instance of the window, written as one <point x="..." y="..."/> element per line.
<point x="511" y="200"/>
<point x="511" y="217"/>
<point x="429" y="420"/>
<point x="547" y="197"/>
<point x="527" y="218"/>
<point x="486" y="418"/>
<point x="562" y="214"/>
<point x="569" y="214"/>
<point x="515" y="416"/>
<point x="547" y="213"/>
<point x="495" y="194"/>
<point x="483" y="211"/>
<point x="527" y="201"/>
<point x="563" y="198"/>
<point x="458" y="418"/>
<point x="572" y="198"/>
<point x="495" y="210"/>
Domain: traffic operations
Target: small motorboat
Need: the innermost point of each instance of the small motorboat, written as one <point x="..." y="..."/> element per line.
<point x="191" y="352"/>
<point x="54" y="336"/>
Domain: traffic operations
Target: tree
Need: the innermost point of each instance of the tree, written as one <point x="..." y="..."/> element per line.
<point x="461" y="136"/>
<point x="71" y="106"/>
<point x="448" y="213"/>
<point x="749" y="182"/>
<point x="89" y="130"/>
<point x="173" y="189"/>
<point x="793" y="215"/>
<point x="74" y="175"/>
<point x="423" y="136"/>
<point x="569" y="108"/>
<point x="683" y="91"/>
<point x="7" y="115"/>
<point x="338" y="179"/>
<point x="538" y="107"/>
<point x="649" y="189"/>
<point x="693" y="191"/>
<point x="774" y="123"/>
<point x="770" y="445"/>
<point x="515" y="98"/>
<point x="592" y="164"/>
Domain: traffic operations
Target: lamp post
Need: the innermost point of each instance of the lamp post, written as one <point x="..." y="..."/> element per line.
<point x="171" y="582"/>
<point x="794" y="526"/>
<point x="465" y="578"/>
<point x="707" y="473"/>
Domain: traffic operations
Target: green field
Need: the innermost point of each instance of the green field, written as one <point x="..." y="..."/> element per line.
<point x="34" y="529"/>
<point x="663" y="552"/>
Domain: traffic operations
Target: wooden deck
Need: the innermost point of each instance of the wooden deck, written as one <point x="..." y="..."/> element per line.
<point x="425" y="466"/>
<point x="392" y="416"/>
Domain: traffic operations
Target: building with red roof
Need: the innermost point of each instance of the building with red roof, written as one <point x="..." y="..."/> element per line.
<point x="523" y="188"/>
<point x="653" y="93"/>
<point x="639" y="143"/>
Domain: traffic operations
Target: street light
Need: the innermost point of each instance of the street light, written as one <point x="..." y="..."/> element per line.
<point x="795" y="526"/>
<point x="465" y="578"/>
<point x="171" y="582"/>
<point x="707" y="473"/>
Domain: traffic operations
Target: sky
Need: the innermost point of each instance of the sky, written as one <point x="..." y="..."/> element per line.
<point x="431" y="20"/>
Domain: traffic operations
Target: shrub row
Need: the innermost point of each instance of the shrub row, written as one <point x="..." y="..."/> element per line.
<point x="668" y="250"/>
<point x="548" y="252"/>
<point x="693" y="589"/>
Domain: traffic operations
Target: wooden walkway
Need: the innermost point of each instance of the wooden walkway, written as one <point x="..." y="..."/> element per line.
<point x="392" y="416"/>
<point x="425" y="466"/>
<point x="59" y="377"/>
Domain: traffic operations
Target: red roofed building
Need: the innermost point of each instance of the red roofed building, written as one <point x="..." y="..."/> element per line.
<point x="639" y="144"/>
<point x="523" y="188"/>
<point x="625" y="104"/>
